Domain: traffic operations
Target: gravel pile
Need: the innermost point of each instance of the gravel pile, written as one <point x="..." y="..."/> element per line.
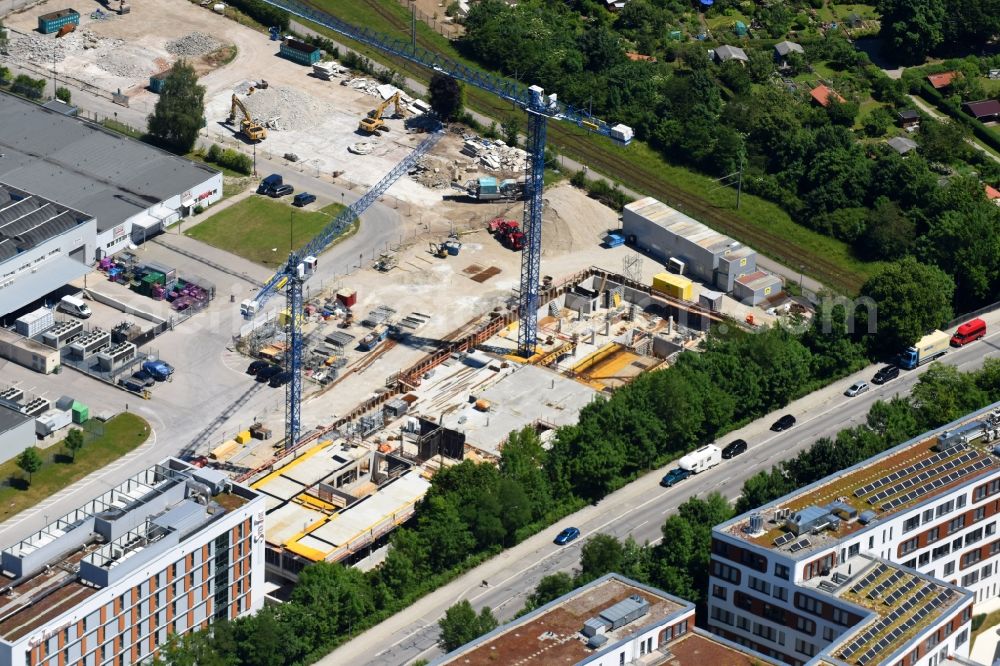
<point x="125" y="62"/>
<point x="194" y="44"/>
<point x="285" y="108"/>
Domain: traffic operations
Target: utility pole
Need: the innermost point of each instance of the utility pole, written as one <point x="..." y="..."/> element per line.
<point x="413" y="25"/>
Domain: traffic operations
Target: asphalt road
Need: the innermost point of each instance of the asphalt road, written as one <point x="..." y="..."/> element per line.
<point x="638" y="510"/>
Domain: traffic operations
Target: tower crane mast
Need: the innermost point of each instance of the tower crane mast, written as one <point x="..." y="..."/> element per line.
<point x="539" y="107"/>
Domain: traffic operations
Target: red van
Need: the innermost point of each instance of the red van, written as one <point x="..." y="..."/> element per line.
<point x="968" y="332"/>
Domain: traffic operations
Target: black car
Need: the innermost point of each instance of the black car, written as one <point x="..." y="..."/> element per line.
<point x="885" y="374"/>
<point x="269" y="183"/>
<point x="280" y="191"/>
<point x="734" y="448"/>
<point x="144" y="377"/>
<point x="280" y="379"/>
<point x="256" y="367"/>
<point x="265" y="374"/>
<point x="303" y="199"/>
<point x="130" y="385"/>
<point x="784" y="423"/>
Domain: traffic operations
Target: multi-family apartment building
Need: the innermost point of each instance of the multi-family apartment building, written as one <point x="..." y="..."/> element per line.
<point x="168" y="551"/>
<point x="880" y="564"/>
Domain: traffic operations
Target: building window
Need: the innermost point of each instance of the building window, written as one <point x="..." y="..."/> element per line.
<point x="719" y="592"/>
<point x="961" y="638"/>
<point x="970" y="579"/>
<point x="924" y="558"/>
<point x="978" y="514"/>
<point x="991" y="528"/>
<point x="909" y="546"/>
<point x="804" y="647"/>
<point x="781" y="571"/>
<point x="960" y="501"/>
<point x="780" y="593"/>
<point x="956" y="523"/>
<point x="949" y="568"/>
<point x="759" y="585"/>
<point x="986" y="571"/>
<point x="911" y="524"/>
<point x="853" y="549"/>
<point x="934" y="534"/>
<point x="828" y="634"/>
<point x="928" y="515"/>
<point x="945" y="508"/>
<point x="841" y="617"/>
<point x="971" y="558"/>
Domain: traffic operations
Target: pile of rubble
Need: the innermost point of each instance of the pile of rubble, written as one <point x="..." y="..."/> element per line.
<point x="362" y="147"/>
<point x="47" y="49"/>
<point x="494" y="154"/>
<point x="193" y="44"/>
<point x="281" y="108"/>
<point x="436" y="172"/>
<point x="367" y="86"/>
<point x="130" y="61"/>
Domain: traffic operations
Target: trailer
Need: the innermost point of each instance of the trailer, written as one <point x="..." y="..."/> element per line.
<point x="704" y="458"/>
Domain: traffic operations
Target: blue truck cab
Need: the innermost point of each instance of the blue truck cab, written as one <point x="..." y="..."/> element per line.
<point x="160" y="370"/>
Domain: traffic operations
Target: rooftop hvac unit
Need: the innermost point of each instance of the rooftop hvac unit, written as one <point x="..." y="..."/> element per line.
<point x="62" y="333"/>
<point x="116" y="356"/>
<point x="12" y="397"/>
<point x="36" y="407"/>
<point x="90" y="343"/>
<point x="756" y="522"/>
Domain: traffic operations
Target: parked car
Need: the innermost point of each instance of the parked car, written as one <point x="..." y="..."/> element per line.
<point x="144" y="377"/>
<point x="160" y="370"/>
<point x="265" y="374"/>
<point x="280" y="379"/>
<point x="130" y="385"/>
<point x="885" y="374"/>
<point x="784" y="423"/>
<point x="566" y="536"/>
<point x="257" y="366"/>
<point x="857" y="388"/>
<point x="968" y="332"/>
<point x="734" y="448"/>
<point x="303" y="199"/>
<point x="269" y="183"/>
<point x="280" y="191"/>
<point x="676" y="475"/>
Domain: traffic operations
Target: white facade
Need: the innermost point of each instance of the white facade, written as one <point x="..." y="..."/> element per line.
<point x="155" y="219"/>
<point x="786" y="604"/>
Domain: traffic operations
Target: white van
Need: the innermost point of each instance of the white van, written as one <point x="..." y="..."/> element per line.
<point x="74" y="306"/>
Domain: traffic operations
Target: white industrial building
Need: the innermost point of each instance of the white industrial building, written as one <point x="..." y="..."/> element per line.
<point x="878" y="565"/>
<point x="17" y="432"/>
<point x="168" y="551"/>
<point x="43" y="245"/>
<point x="128" y="189"/>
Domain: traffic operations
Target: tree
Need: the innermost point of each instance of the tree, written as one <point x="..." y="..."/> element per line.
<point x="912" y="28"/>
<point x="889" y="233"/>
<point x="841" y="113"/>
<point x="511" y="127"/>
<point x="63" y="94"/>
<point x="601" y="554"/>
<point x="942" y="141"/>
<point x="549" y="588"/>
<point x="460" y="625"/>
<point x="446" y="96"/>
<point x="180" y="111"/>
<point x="74" y="441"/>
<point x="910" y="299"/>
<point x="878" y="122"/>
<point x="30" y="461"/>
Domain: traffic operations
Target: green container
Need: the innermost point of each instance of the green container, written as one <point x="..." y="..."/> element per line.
<point x="81" y="413"/>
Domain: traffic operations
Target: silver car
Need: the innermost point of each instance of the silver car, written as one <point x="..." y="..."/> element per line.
<point x="857" y="388"/>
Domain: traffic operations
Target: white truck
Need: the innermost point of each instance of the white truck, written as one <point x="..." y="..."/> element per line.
<point x="704" y="458"/>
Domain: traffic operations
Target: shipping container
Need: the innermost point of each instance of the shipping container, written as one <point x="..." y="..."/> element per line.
<point x="675" y="286"/>
<point x="49" y="23"/>
<point x="300" y="52"/>
<point x="35" y="323"/>
<point x="156" y="82"/>
<point x="80" y="411"/>
<point x="348" y="297"/>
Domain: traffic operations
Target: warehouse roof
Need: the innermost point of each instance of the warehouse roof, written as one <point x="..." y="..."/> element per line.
<point x="678" y="223"/>
<point x="10" y="419"/>
<point x="85" y="166"/>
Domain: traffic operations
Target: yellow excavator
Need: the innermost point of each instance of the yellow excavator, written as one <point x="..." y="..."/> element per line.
<point x="248" y="126"/>
<point x="374" y="124"/>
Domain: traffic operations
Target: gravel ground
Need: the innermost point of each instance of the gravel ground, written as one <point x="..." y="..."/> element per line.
<point x="193" y="44"/>
<point x="285" y="108"/>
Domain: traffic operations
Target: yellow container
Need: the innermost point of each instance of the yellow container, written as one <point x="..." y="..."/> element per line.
<point x="675" y="286"/>
<point x="243" y="437"/>
<point x="225" y="451"/>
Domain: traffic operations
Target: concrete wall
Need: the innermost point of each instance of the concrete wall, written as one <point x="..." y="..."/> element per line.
<point x="17" y="439"/>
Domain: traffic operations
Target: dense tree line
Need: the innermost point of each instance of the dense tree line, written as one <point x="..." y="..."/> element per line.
<point x="474" y="510"/>
<point x="914" y="29"/>
<point x="679" y="564"/>
<point x="804" y="157"/>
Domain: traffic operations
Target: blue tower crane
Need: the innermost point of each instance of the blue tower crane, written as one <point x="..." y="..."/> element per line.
<point x="300" y="266"/>
<point x="539" y="106"/>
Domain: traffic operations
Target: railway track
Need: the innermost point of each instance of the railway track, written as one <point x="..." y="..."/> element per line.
<point x="612" y="164"/>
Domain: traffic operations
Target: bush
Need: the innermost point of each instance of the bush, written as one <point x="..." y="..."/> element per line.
<point x="235" y="160"/>
<point x="214" y="153"/>
<point x="263" y="13"/>
<point x="28" y="87"/>
<point x="63" y="94"/>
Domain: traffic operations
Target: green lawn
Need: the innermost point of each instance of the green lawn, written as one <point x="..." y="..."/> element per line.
<point x="724" y="25"/>
<point x="105" y="443"/>
<point x="263" y="230"/>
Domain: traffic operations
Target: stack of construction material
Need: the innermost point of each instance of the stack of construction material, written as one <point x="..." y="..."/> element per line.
<point x="326" y="70"/>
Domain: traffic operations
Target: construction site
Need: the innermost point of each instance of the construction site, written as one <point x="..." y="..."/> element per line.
<point x="411" y="357"/>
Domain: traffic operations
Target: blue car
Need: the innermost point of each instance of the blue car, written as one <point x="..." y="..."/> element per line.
<point x="160" y="370"/>
<point x="675" y="475"/>
<point x="566" y="536"/>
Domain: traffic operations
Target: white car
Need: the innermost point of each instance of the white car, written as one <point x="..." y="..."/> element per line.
<point x="857" y="388"/>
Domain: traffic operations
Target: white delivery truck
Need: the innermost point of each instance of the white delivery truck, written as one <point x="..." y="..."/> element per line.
<point x="704" y="458"/>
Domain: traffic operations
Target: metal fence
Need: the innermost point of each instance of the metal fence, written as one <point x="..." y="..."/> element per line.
<point x="968" y="315"/>
<point x="440" y="24"/>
